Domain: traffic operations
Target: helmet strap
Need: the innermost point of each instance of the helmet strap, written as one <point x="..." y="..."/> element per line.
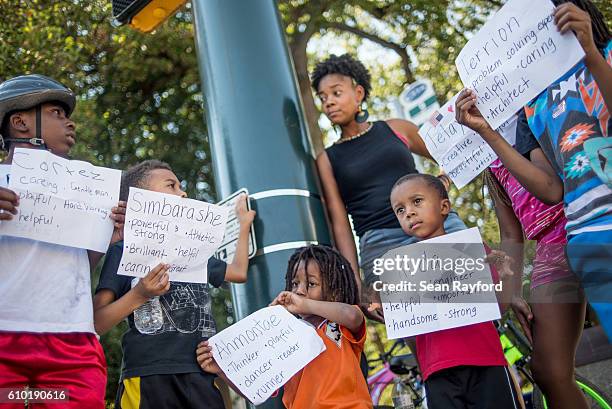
<point x="38" y="141"/>
<point x="38" y="122"/>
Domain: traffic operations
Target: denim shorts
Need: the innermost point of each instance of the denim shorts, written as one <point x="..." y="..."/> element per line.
<point x="589" y="255"/>
<point x="376" y="242"/>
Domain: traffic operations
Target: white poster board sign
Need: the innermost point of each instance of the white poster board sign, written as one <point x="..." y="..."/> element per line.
<point x="432" y="299"/>
<point x="61" y="201"/>
<point x="171" y="229"/>
<point x="514" y="57"/>
<point x="461" y="152"/>
<point x="261" y="352"/>
<point x="227" y="249"/>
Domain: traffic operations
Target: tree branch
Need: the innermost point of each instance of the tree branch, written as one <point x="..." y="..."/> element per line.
<point x="399" y="50"/>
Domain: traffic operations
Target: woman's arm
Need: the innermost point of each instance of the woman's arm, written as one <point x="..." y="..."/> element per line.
<point x="511" y="235"/>
<point x="411" y="132"/>
<point x="537" y="175"/>
<point x="341" y="228"/>
<point x="512" y="243"/>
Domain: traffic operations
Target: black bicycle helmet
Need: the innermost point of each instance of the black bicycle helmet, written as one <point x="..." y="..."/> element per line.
<point x="29" y="91"/>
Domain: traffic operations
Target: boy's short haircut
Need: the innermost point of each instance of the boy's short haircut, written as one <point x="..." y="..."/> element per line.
<point x="431" y="181"/>
<point x="137" y="175"/>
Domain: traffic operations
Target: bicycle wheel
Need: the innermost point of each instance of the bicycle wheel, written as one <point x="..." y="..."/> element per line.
<point x="595" y="397"/>
<point x="385" y="399"/>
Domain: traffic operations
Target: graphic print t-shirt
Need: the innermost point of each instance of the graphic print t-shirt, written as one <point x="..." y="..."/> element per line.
<point x="187" y="320"/>
<point x="571" y="123"/>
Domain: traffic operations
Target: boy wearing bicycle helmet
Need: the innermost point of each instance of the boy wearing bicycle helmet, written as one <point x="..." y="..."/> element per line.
<point x="159" y="363"/>
<point x="47" y="337"/>
<point x="465" y="366"/>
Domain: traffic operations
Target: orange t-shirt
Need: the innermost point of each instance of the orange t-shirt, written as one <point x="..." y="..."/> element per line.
<point x="333" y="379"/>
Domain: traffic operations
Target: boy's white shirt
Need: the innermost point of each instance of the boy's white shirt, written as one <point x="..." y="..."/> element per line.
<point x="43" y="287"/>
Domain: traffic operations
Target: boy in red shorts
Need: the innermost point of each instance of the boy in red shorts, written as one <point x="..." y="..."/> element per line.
<point x="465" y="366"/>
<point x="47" y="337"/>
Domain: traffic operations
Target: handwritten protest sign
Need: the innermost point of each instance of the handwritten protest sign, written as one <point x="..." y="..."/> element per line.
<point x="437" y="284"/>
<point x="515" y="56"/>
<point x="461" y="152"/>
<point x="261" y="352"/>
<point x="166" y="228"/>
<point x="62" y="201"/>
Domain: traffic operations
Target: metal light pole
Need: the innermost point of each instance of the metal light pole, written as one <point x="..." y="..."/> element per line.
<point x="258" y="137"/>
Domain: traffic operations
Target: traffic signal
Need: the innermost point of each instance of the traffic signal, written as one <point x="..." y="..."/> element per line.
<point x="145" y="15"/>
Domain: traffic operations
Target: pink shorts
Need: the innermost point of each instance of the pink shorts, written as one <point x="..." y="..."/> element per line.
<point x="72" y="361"/>
<point x="550" y="263"/>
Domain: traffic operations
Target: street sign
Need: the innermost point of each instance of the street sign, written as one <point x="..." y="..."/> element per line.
<point x="232" y="229"/>
<point x="419" y="101"/>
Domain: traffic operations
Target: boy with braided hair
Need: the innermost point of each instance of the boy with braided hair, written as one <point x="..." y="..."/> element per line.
<point x="321" y="288"/>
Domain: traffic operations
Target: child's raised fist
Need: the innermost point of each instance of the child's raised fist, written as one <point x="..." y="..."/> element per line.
<point x="244" y="215"/>
<point x="295" y="304"/>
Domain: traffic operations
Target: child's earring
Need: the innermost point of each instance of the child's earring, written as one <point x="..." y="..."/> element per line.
<point x="362" y="115"/>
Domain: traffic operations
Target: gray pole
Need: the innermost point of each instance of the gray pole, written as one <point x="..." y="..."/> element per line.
<point x="258" y="137"/>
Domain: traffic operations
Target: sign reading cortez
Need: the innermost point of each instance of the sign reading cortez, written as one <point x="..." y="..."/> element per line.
<point x="62" y="201"/>
<point x="163" y="228"/>
<point x="437" y="284"/>
<point x="227" y="249"/>
<point x="514" y="57"/>
<point x="261" y="352"/>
